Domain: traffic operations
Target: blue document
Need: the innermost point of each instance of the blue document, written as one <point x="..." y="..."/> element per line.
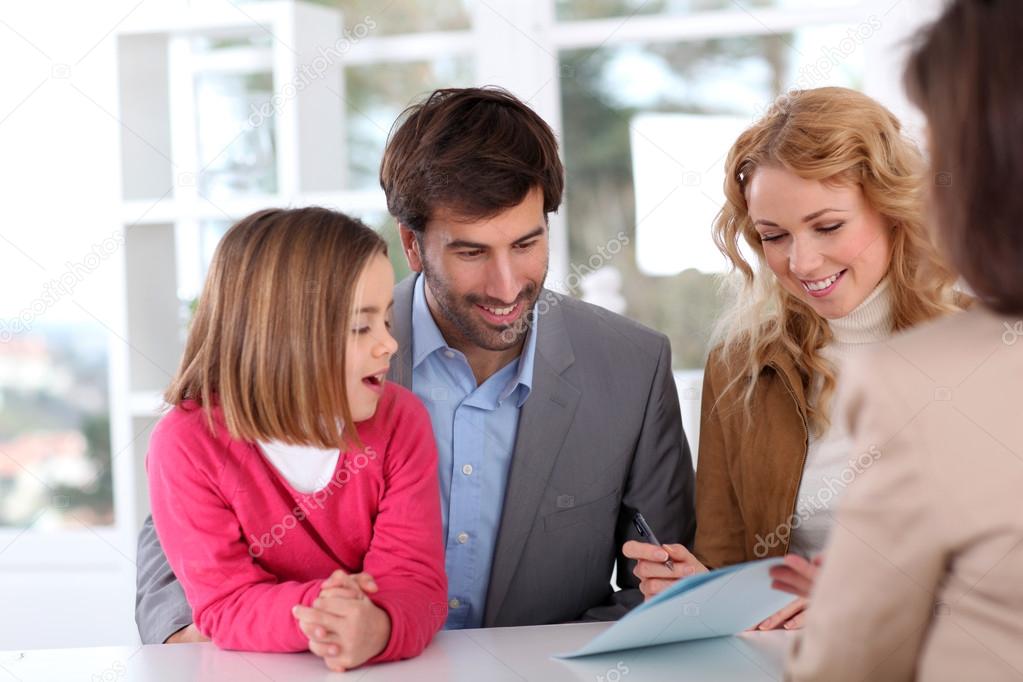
<point x="713" y="604"/>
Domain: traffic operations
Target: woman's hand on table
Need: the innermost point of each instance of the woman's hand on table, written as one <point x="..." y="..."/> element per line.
<point x="789" y="617"/>
<point x="795" y="576"/>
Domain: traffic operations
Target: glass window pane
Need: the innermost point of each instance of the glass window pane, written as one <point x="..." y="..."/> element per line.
<point x="570" y="10"/>
<point x="210" y="234"/>
<point x="405" y="16"/>
<point x="210" y="44"/>
<point x="395" y="16"/>
<point x="377" y="93"/>
<point x="666" y="114"/>
<point x="55" y="427"/>
<point x="236" y="156"/>
<point x="384" y="223"/>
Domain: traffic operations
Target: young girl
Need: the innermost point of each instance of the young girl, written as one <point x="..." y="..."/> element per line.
<point x="827" y="194"/>
<point x="287" y="459"/>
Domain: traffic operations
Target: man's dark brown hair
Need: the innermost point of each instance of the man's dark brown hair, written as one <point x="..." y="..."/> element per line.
<point x="474" y="151"/>
<point x="964" y="75"/>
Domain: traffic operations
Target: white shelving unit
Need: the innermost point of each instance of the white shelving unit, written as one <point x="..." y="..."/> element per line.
<point x="175" y="202"/>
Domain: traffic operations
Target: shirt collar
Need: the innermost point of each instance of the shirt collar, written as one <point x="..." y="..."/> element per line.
<point x="428" y="339"/>
<point x="426" y="336"/>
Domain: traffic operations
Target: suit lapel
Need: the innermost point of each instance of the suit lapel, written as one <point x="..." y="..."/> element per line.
<point x="543" y="424"/>
<point x="401" y="325"/>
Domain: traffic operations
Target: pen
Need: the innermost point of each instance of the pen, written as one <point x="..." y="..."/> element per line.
<point x="644" y="529"/>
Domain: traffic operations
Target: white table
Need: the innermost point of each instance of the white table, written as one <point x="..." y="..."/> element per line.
<point x="490" y="655"/>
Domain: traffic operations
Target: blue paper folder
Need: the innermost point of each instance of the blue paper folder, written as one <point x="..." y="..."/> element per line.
<point x="713" y="604"/>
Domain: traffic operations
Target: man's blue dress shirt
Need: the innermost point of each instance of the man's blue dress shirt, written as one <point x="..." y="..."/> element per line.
<point x="475" y="428"/>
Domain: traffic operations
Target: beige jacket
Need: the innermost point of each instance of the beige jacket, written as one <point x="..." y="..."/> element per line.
<point x="923" y="577"/>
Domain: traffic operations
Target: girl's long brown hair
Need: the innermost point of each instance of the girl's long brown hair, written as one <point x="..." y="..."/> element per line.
<point x="267" y="343"/>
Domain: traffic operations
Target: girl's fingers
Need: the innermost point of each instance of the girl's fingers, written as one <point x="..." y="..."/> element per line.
<point x="315" y="616"/>
<point x="324" y="649"/>
<point x="361" y="582"/>
<point x="341" y="593"/>
<point x="318" y="633"/>
<point x="337" y="607"/>
<point x="366" y="582"/>
<point x="337" y="579"/>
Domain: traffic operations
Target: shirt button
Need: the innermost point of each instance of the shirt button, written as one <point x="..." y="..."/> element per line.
<point x="454" y="603"/>
<point x="467" y="469"/>
<point x="449" y="354"/>
<point x="463" y="538"/>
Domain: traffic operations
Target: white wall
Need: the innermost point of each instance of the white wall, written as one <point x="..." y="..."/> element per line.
<point x="59" y="194"/>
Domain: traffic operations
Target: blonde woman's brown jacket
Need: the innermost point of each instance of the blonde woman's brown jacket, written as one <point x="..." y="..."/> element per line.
<point x="748" y="473"/>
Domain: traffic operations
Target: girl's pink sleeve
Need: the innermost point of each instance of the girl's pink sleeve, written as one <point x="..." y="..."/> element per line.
<point x="234" y="602"/>
<point x="406" y="556"/>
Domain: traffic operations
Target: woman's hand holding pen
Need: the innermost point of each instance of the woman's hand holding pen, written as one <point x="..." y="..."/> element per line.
<point x="651" y="569"/>
<point x="345" y="628"/>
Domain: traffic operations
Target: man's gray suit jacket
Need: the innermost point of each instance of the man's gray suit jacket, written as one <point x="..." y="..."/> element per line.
<point x="599" y="438"/>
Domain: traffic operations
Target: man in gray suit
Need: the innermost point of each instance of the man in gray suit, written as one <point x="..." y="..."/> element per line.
<point x="555" y="420"/>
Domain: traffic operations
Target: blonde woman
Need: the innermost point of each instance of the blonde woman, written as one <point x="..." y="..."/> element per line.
<point x="826" y="192"/>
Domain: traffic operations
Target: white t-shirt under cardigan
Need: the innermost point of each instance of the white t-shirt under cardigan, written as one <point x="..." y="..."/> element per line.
<point x="307" y="469"/>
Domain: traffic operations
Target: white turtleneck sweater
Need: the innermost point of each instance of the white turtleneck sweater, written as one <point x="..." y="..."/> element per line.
<point x="830" y="462"/>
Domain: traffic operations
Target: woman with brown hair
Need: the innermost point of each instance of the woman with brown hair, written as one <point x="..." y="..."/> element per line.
<point x="825" y="192"/>
<point x="294" y="490"/>
<point x="922" y="578"/>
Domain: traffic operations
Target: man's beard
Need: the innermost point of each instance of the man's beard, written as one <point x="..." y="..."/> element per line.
<point x="460" y="312"/>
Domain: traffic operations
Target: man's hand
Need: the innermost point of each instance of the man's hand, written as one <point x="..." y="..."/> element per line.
<point x="653" y="575"/>
<point x="344" y="627"/>
<point x="187" y="635"/>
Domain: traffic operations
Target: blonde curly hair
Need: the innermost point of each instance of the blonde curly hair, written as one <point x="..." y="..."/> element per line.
<point x="840" y="136"/>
